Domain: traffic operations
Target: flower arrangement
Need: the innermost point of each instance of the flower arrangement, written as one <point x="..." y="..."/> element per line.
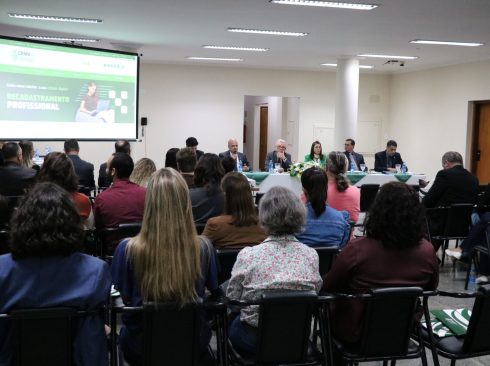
<point x="296" y="169"/>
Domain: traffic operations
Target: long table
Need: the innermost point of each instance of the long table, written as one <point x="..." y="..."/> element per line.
<point x="266" y="181"/>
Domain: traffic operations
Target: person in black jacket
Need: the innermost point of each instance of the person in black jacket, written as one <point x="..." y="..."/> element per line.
<point x="84" y="169"/>
<point x="105" y="180"/>
<point x="15" y="179"/>
<point x="387" y="160"/>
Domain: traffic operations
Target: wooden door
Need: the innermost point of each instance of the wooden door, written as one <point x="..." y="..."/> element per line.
<point x="483" y="145"/>
<point x="264" y="125"/>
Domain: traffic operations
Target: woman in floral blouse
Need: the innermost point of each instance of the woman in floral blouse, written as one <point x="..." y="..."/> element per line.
<point x="279" y="263"/>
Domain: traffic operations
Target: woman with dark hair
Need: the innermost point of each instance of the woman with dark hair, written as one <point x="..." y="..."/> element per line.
<point x="341" y="194"/>
<point x="394" y="253"/>
<point x="90" y="100"/>
<point x="316" y="154"/>
<point x="206" y="197"/>
<point x="45" y="269"/>
<point x="239" y="226"/>
<point x="171" y="158"/>
<point x="58" y="168"/>
<point x="325" y="226"/>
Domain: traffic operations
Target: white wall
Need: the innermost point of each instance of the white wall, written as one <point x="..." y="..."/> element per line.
<point x="429" y="112"/>
<point x="208" y="103"/>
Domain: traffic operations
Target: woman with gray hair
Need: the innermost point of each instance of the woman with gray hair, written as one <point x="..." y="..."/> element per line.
<point x="279" y="263"/>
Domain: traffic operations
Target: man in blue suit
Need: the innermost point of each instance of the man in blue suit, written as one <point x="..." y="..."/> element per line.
<point x="84" y="169"/>
<point x="234" y="153"/>
<point x="386" y="160"/>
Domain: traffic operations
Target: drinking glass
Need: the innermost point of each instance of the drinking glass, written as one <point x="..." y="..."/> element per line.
<point x="277" y="166"/>
<point x="362" y="167"/>
<point x="398" y="168"/>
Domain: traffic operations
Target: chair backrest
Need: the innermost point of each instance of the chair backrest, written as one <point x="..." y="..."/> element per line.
<point x="200" y="227"/>
<point x="226" y="261"/>
<point x="108" y="238"/>
<point x="388" y="321"/>
<point x="368" y="195"/>
<point x="458" y="220"/>
<point x="171" y="334"/>
<point x="44" y="337"/>
<point x="477" y="337"/>
<point x="326" y="257"/>
<point x="284" y="327"/>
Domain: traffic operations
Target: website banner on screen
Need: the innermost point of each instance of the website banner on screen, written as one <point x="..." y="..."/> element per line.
<point x="50" y="91"/>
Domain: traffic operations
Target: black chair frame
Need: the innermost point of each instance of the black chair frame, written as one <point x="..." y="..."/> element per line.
<point x="482" y="249"/>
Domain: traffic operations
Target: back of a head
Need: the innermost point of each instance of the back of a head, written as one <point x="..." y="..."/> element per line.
<point x="228" y="164"/>
<point x="396" y="217"/>
<point x="58" y="168"/>
<point x="314" y="181"/>
<point x="143" y="169"/>
<point x="166" y="253"/>
<point x="391" y="143"/>
<point x="337" y="166"/>
<point x="238" y="199"/>
<point x="453" y="157"/>
<point x="46" y="223"/>
<point x="281" y="212"/>
<point x="171" y="158"/>
<point x="122" y="146"/>
<point x="27" y="152"/>
<point x="209" y="173"/>
<point x="10" y="150"/>
<point x="191" y="142"/>
<point x="123" y="164"/>
<point x="186" y="160"/>
<point x="71" y="145"/>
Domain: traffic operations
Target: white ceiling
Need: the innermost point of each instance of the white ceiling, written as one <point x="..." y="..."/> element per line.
<point x="166" y="31"/>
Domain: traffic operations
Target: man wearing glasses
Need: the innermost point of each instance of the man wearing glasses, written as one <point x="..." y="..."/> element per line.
<point x="279" y="156"/>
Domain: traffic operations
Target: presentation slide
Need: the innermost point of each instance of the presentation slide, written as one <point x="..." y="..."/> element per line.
<point x="51" y="91"/>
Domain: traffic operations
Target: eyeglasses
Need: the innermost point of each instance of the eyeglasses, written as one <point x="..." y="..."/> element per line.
<point x="281" y="146"/>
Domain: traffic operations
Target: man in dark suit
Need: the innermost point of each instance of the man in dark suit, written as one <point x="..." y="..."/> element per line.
<point x="386" y="160"/>
<point x="235" y="154"/>
<point x="14" y="178"/>
<point x="279" y="155"/>
<point x="453" y="184"/>
<point x="83" y="169"/>
<point x="192" y="142"/>
<point x="355" y="160"/>
<point x="105" y="179"/>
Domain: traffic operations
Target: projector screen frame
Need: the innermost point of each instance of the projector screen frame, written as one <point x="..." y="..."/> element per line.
<point x="81" y="47"/>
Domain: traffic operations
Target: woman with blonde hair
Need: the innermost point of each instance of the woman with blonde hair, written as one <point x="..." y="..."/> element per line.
<point x="143" y="169"/>
<point x="27" y="154"/>
<point x="165" y="262"/>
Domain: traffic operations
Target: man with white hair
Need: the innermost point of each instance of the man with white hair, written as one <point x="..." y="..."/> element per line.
<point x="235" y="154"/>
<point x="278" y="156"/>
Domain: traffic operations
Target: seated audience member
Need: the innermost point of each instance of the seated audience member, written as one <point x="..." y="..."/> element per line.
<point x="46" y="269"/>
<point x="394" y="253"/>
<point x="83" y="169"/>
<point x="229" y="164"/>
<point x="143" y="169"/>
<point x="206" y="197"/>
<point x="186" y="163"/>
<point x="278" y="156"/>
<point x="355" y="159"/>
<point x="325" y="226"/>
<point x="387" y="160"/>
<point x="279" y="263"/>
<point x="192" y="143"/>
<point x="58" y="168"/>
<point x="171" y="158"/>
<point x="124" y="201"/>
<point x="239" y="226"/>
<point x="105" y="180"/>
<point x="316" y="154"/>
<point x="233" y="153"/>
<point x="341" y="194"/>
<point x="165" y="262"/>
<point x="28" y="154"/>
<point x="14" y="178"/>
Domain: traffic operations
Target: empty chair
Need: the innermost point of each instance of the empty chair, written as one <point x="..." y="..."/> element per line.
<point x="226" y="260"/>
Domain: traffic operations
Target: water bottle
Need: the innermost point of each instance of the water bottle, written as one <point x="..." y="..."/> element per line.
<point x="47" y="150"/>
<point x="404" y="168"/>
<point x="36" y="154"/>
<point x="239" y="165"/>
<point x="271" y="167"/>
<point x="472" y="278"/>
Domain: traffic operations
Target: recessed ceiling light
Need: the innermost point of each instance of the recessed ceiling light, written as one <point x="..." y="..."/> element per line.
<point x="269" y="32"/>
<point x="214" y="59"/>
<point x="54" y="18"/>
<point x="360" y="66"/>
<point x="233" y="48"/>
<point x="67" y="39"/>
<point x="389" y="56"/>
<point x="326" y="4"/>
<point x="448" y="43"/>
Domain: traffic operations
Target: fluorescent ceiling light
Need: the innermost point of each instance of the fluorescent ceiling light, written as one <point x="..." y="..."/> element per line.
<point x="54" y="18"/>
<point x="269" y="32"/>
<point x="326" y="4"/>
<point x="360" y="66"/>
<point x="67" y="39"/>
<point x="389" y="56"/>
<point x="214" y="59"/>
<point x="448" y="43"/>
<point x="233" y="48"/>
